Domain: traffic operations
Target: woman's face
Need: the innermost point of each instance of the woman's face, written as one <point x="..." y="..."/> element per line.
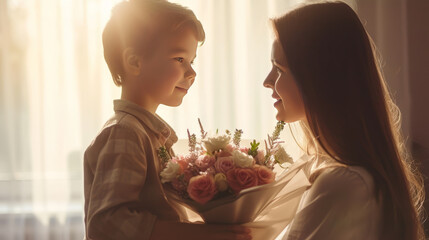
<point x="289" y="104"/>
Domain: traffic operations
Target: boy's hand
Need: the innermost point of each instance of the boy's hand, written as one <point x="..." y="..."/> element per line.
<point x="190" y="231"/>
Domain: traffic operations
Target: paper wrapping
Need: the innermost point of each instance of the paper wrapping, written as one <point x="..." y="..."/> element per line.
<point x="266" y="209"/>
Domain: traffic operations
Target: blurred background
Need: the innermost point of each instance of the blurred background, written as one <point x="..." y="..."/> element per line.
<point x="56" y="92"/>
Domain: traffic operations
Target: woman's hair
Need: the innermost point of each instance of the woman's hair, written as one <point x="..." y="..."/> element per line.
<point x="141" y="25"/>
<point x="349" y="111"/>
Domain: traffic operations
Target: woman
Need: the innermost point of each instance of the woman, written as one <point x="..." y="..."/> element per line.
<point x="326" y="76"/>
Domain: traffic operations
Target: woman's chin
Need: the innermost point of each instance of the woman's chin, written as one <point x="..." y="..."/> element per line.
<point x="287" y="120"/>
<point x="280" y="117"/>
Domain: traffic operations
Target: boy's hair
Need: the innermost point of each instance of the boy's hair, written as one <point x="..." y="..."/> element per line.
<point x="140" y="24"/>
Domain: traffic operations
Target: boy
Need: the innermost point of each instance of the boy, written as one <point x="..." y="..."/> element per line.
<point x="149" y="46"/>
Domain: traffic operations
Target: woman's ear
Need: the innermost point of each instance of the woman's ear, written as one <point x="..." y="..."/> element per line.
<point x="132" y="62"/>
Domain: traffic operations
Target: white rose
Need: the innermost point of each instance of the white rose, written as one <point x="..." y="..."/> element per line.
<point x="241" y="159"/>
<point x="170" y="172"/>
<point x="216" y="143"/>
<point x="281" y="156"/>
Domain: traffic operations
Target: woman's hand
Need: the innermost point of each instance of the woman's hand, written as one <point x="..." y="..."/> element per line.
<point x="190" y="231"/>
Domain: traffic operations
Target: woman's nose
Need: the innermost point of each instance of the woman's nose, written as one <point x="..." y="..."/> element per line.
<point x="269" y="81"/>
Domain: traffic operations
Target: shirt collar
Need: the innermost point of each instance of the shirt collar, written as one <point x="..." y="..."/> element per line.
<point x="155" y="123"/>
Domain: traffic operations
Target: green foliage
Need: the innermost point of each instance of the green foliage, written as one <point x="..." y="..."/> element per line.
<point x="253" y="151"/>
<point x="163" y="154"/>
<point x="276" y="133"/>
<point x="273" y="141"/>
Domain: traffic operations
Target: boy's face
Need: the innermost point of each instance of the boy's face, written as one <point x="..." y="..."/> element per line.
<point x="167" y="74"/>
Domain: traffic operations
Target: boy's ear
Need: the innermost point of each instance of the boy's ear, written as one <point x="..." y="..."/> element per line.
<point x="132" y="61"/>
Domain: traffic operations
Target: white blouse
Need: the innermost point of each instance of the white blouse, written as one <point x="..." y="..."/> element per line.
<point x="341" y="204"/>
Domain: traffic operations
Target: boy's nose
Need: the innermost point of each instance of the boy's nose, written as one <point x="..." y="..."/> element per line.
<point x="190" y="73"/>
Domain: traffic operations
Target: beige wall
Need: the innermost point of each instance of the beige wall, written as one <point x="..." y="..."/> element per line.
<point x="418" y="58"/>
<point x="400" y="30"/>
<point x="418" y="48"/>
<point x="386" y="23"/>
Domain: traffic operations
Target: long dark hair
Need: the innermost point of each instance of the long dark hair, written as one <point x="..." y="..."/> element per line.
<point x="348" y="108"/>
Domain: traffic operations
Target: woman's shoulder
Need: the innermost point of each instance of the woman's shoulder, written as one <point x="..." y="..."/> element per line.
<point x="352" y="181"/>
<point x="341" y="204"/>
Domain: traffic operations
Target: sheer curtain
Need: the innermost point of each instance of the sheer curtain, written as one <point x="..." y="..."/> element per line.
<point x="56" y="92"/>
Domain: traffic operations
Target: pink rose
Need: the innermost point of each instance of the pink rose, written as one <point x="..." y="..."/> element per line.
<point x="244" y="150"/>
<point x="204" y="162"/>
<point x="264" y="174"/>
<point x="260" y="157"/>
<point x="188" y="174"/>
<point x="223" y="154"/>
<point x="224" y="164"/>
<point x="241" y="178"/>
<point x="202" y="188"/>
<point x="229" y="148"/>
<point x="181" y="161"/>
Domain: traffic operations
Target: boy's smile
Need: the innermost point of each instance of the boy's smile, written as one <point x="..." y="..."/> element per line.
<point x="182" y="89"/>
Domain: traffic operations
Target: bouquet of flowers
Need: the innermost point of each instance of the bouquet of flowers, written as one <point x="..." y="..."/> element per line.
<point x="225" y="182"/>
